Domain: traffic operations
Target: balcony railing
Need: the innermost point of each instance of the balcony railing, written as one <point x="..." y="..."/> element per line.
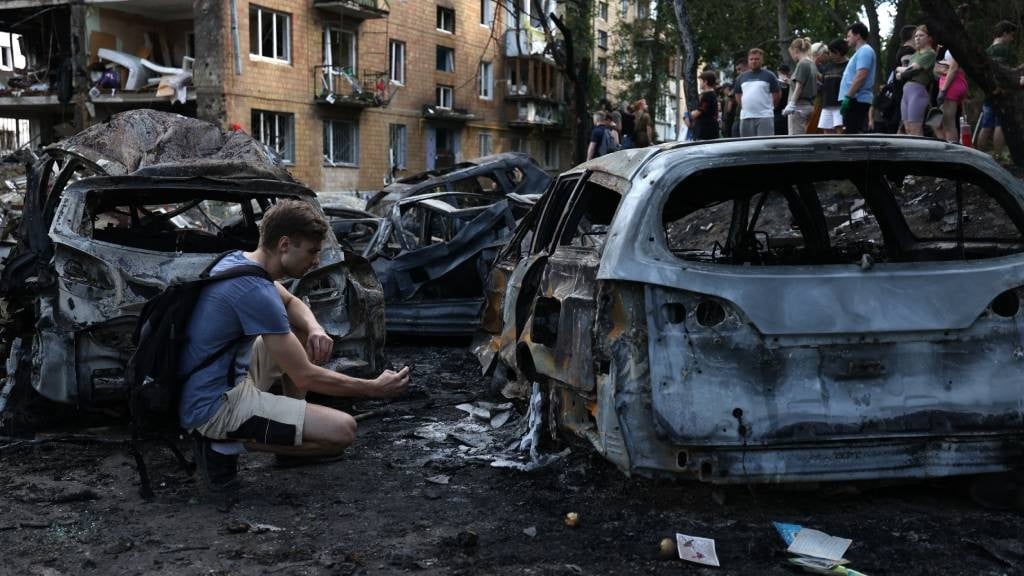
<point x="536" y="114"/>
<point x="341" y="86"/>
<point x="361" y="9"/>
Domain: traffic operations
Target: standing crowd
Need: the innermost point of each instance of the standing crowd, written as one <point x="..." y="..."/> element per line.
<point x="830" y="90"/>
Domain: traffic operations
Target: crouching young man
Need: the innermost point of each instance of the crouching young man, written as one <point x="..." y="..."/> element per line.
<point x="227" y="401"/>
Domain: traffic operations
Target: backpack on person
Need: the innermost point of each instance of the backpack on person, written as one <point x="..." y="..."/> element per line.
<point x="607" y="144"/>
<point x="154" y="385"/>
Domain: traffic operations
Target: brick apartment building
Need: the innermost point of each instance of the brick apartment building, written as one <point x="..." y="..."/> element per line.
<point x="351" y="93"/>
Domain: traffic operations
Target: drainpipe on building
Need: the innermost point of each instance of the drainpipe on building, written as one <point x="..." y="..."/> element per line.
<point x="235" y="42"/>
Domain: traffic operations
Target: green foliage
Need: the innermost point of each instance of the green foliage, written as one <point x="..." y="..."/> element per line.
<point x="727" y="28"/>
<point x="641" y="52"/>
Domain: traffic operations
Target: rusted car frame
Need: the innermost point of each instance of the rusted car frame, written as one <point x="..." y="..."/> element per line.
<point x="432" y="253"/>
<point x="706" y="310"/>
<point x="495" y="176"/>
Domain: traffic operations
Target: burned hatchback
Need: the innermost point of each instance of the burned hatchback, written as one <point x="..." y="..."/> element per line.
<point x="115" y="213"/>
<point x="773" y="310"/>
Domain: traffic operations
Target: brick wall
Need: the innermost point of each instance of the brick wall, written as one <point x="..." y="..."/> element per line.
<point x="288" y="87"/>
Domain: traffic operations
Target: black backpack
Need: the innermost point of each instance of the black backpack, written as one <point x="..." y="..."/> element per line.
<point x="154" y="385"/>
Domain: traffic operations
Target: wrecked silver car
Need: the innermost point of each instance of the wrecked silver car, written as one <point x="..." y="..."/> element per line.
<point x="494" y="176"/>
<point x="773" y="310"/>
<point x="432" y="254"/>
<point x="115" y="213"/>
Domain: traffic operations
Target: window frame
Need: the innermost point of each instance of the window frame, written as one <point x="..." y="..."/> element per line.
<point x="487" y="13"/>
<point x="602" y="39"/>
<point x="329" y="153"/>
<point x="487" y="137"/>
<point x="602" y="10"/>
<point x="259" y="12"/>
<point x="439" y="96"/>
<point x="401" y="131"/>
<point x="443" y="17"/>
<point x="445" y="55"/>
<point x="396" y="51"/>
<point x="486" y="84"/>
<point x="259" y="132"/>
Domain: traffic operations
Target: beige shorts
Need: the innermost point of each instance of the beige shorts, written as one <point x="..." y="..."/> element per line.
<point x="249" y="412"/>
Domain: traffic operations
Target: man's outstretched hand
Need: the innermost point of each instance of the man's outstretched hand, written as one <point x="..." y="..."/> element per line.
<point x="390" y="383"/>
<point x="319" y="346"/>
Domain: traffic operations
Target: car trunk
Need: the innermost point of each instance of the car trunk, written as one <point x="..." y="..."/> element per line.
<point x="838" y="356"/>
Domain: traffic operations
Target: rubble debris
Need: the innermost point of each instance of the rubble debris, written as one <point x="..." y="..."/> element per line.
<point x="667" y="549"/>
<point x="571" y="519"/>
<point x="530" y="531"/>
<point x="439" y="479"/>
<point x="817" y="544"/>
<point x="697" y="549"/>
<point x="494" y="414"/>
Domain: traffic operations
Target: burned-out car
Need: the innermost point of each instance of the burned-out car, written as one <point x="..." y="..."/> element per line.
<point x="494" y="176"/>
<point x="432" y="254"/>
<point x="115" y="213"/>
<point x="773" y="310"/>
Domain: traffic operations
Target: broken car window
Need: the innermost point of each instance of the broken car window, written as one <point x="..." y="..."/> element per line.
<point x="197" y="225"/>
<point x="833" y="213"/>
<point x="592" y="213"/>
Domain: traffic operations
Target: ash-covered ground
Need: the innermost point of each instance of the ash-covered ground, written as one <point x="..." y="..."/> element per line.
<point x="418" y="494"/>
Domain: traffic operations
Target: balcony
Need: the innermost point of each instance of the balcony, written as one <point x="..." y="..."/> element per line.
<point x="434" y="112"/>
<point x="525" y="42"/>
<point x="357" y="9"/>
<point x="536" y="114"/>
<point x="340" y="86"/>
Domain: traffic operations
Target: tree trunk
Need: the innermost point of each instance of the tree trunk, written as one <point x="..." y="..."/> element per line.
<point x="784" y="32"/>
<point x="893" y="45"/>
<point x="579" y="75"/>
<point x="1000" y="84"/>
<point x="875" y="40"/>
<point x="689" y="45"/>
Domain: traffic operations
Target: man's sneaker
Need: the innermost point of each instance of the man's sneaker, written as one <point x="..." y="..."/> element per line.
<point x="219" y="471"/>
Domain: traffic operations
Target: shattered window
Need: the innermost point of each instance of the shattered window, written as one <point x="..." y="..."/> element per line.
<point x="341" y="142"/>
<point x="591" y="216"/>
<point x="276" y="131"/>
<point x="270" y="33"/>
<point x="930" y="207"/>
<point x="840" y="213"/>
<point x="482" y="184"/>
<point x="554" y="206"/>
<point x="515" y="175"/>
<point x="702" y="232"/>
<point x="198" y="225"/>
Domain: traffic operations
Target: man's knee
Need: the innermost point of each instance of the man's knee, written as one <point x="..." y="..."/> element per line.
<point x="342" y="430"/>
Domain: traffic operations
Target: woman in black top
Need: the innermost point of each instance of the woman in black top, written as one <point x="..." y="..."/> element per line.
<point x="704" y="120"/>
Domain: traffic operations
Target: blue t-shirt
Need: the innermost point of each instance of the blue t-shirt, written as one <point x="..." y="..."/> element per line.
<point x="225" y="310"/>
<point x="864" y="57"/>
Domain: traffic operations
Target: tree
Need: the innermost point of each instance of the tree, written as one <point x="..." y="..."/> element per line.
<point x="641" y="58"/>
<point x="569" y="36"/>
<point x="689" y="46"/>
<point x="1000" y="83"/>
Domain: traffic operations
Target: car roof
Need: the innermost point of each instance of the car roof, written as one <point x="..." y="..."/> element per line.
<point x="625" y="163"/>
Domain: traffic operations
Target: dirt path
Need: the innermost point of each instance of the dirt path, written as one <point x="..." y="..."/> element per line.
<point x="74" y="509"/>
